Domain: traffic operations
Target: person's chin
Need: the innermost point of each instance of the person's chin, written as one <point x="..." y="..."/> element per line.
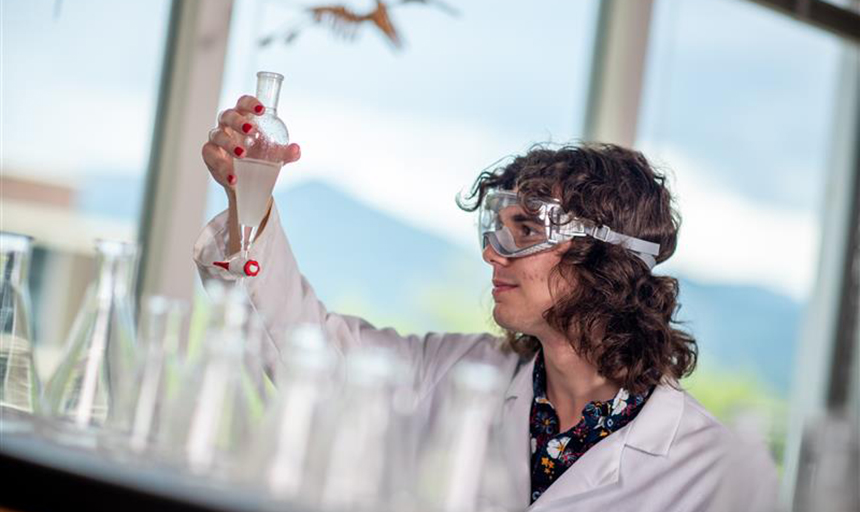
<point x="502" y="319"/>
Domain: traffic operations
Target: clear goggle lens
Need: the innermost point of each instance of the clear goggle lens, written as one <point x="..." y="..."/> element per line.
<point x="510" y="228"/>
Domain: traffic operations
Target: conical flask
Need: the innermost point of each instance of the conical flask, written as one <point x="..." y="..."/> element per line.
<point x="159" y="365"/>
<point x="99" y="360"/>
<point x="289" y="456"/>
<point x="19" y="389"/>
<point x="377" y="400"/>
<point x="459" y="467"/>
<point x="219" y="406"/>
<point x="258" y="171"/>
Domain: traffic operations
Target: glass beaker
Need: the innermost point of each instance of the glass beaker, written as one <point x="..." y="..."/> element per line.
<point x="258" y="171"/>
<point x="99" y="360"/>
<point x="19" y="385"/>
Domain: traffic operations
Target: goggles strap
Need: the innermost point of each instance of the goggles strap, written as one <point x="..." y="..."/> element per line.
<point x="642" y="248"/>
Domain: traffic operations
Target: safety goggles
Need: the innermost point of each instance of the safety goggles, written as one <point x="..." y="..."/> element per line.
<point x="514" y="229"/>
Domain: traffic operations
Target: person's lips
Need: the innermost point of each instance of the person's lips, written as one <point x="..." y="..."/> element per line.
<point x="500" y="286"/>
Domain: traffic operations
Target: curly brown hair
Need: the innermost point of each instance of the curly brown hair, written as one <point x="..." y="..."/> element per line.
<point x="618" y="315"/>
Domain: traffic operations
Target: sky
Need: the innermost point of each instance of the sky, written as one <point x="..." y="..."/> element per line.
<point x="738" y="108"/>
<point x="79" y="85"/>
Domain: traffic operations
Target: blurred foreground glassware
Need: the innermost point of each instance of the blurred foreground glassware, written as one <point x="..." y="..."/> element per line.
<point x="258" y="171"/>
<point x="19" y="386"/>
<point x="285" y="457"/>
<point x="461" y="468"/>
<point x="159" y="367"/>
<point x="99" y="359"/>
<point x="829" y="468"/>
<point x="219" y="404"/>
<point x="369" y="463"/>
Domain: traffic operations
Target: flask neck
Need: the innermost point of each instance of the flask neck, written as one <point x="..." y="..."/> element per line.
<point x="269" y="90"/>
<point x="116" y="263"/>
<point x="14" y="258"/>
<point x="14" y="268"/>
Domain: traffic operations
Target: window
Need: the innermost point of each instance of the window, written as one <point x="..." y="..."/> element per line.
<point x="390" y="137"/>
<point x="79" y="90"/>
<point x="744" y="118"/>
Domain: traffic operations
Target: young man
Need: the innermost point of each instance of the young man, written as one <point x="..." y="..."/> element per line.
<point x="594" y="415"/>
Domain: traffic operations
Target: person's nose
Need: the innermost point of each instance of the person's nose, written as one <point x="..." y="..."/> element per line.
<point x="493" y="258"/>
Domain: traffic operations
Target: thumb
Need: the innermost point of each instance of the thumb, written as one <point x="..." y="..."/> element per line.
<point x="289" y="153"/>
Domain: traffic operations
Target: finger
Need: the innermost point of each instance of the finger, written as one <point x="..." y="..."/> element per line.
<point x="231" y="141"/>
<point x="249" y="105"/>
<point x="220" y="164"/>
<point x="231" y="118"/>
<point x="290" y="153"/>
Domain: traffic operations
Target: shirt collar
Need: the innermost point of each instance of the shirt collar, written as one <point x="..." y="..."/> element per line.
<point x="593" y="410"/>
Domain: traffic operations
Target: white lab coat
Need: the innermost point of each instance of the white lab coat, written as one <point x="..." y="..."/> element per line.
<point x="674" y="456"/>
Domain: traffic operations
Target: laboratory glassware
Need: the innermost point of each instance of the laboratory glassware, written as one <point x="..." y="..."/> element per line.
<point x="218" y="406"/>
<point x="289" y="456"/>
<point x="19" y="385"/>
<point x="461" y="466"/>
<point x="258" y="171"/>
<point x="94" y="376"/>
<point x="159" y="367"/>
<point x="377" y="399"/>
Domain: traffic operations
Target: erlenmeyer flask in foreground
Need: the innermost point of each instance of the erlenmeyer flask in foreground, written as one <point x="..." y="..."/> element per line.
<point x="99" y="360"/>
<point x="377" y="400"/>
<point x="289" y="455"/>
<point x="218" y="407"/>
<point x="458" y="472"/>
<point x="19" y="390"/>
<point x="257" y="172"/>
<point x="158" y="367"/>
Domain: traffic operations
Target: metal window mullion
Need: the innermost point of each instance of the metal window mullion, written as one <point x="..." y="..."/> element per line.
<point x="175" y="201"/>
<point x="618" y="71"/>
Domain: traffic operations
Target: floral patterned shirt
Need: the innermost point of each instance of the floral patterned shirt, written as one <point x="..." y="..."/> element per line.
<point x="553" y="451"/>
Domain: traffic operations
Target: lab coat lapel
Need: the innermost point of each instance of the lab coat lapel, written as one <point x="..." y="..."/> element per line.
<point x="597" y="467"/>
<point x="515" y="428"/>
<point x="652" y="431"/>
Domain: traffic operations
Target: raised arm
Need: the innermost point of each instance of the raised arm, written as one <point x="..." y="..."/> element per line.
<point x="278" y="291"/>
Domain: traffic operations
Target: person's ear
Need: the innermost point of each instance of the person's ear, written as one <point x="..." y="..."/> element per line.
<point x="563" y="247"/>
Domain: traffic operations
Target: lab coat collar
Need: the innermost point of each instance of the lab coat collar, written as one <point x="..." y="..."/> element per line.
<point x="654" y="428"/>
<point x="515" y="429"/>
<point x="652" y="432"/>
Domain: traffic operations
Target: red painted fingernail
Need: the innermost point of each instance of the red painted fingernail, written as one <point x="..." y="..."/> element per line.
<point x="247" y="127"/>
<point x="259" y="109"/>
<point x="238" y="151"/>
<point x="231" y="179"/>
<point x="222" y="264"/>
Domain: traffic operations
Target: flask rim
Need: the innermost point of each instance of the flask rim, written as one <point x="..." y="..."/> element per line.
<point x="116" y="248"/>
<point x="270" y="74"/>
<point x="15" y="242"/>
